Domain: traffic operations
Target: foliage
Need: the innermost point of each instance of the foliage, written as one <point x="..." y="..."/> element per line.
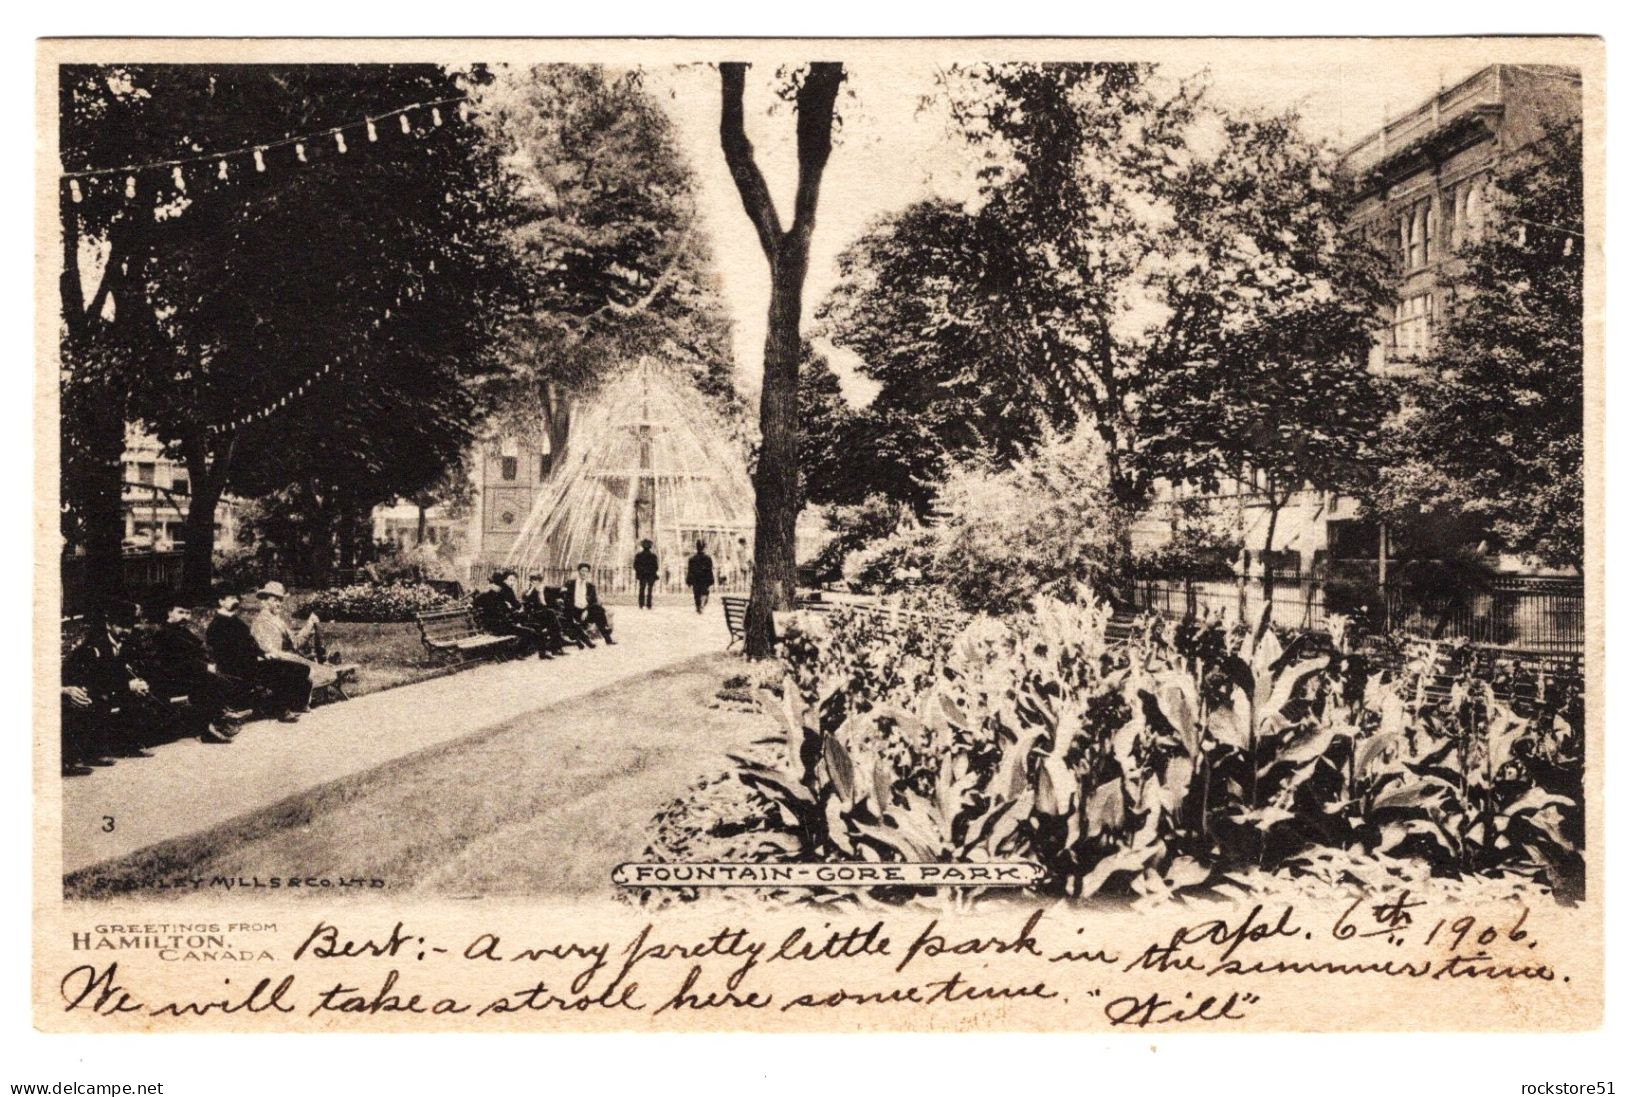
<point x="617" y="266"/>
<point x="922" y="303"/>
<point x="1202" y="544"/>
<point x="370" y="280"/>
<point x="1187" y="760"/>
<point x="1046" y="523"/>
<point x="396" y="601"/>
<point x="1495" y="432"/>
<point x="852" y="528"/>
<point x="1131" y="243"/>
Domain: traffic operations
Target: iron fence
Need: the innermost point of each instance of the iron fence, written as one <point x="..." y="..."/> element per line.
<point x="1517" y="613"/>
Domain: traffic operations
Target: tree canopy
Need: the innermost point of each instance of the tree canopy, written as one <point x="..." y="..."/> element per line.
<point x="1130" y="243"/>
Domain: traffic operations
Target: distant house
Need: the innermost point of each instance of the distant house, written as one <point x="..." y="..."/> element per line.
<point x="157" y="494"/>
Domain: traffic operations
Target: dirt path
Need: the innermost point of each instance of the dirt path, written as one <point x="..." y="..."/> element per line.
<point x="192" y="787"/>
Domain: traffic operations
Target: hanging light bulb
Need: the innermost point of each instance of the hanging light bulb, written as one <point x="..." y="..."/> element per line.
<point x="259" y="159"/>
<point x="434" y="114"/>
<point x="299" y="151"/>
<point x="406" y="126"/>
<point x="129" y="186"/>
<point x="73" y="189"/>
<point x="462" y="110"/>
<point x="372" y="131"/>
<point x="222" y="169"/>
<point x="338" y="139"/>
<point x="180" y="178"/>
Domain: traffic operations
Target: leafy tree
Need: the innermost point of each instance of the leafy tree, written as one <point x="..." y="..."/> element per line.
<point x="777" y="477"/>
<point x="923" y="302"/>
<point x="369" y="282"/>
<point x="1492" y="436"/>
<point x="617" y="267"/>
<point x="1132" y="247"/>
<point x="1277" y="387"/>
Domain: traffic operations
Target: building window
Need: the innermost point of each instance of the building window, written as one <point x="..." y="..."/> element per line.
<point x="544" y="465"/>
<point x="180" y="485"/>
<point x="510" y="468"/>
<point x="1413" y="319"/>
<point x="1419" y="234"/>
<point x="1473" y="212"/>
<point x="144" y="472"/>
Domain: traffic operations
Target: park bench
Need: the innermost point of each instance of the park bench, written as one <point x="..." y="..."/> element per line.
<point x="734" y="609"/>
<point x="454" y="630"/>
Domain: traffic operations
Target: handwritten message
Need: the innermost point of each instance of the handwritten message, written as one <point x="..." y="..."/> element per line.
<point x="1202" y="972"/>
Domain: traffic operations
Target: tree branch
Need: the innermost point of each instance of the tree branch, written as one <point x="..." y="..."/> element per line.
<point x="741" y="159"/>
<point x="815" y="116"/>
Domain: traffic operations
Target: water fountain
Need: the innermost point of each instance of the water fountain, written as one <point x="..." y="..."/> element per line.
<point x="647" y="459"/>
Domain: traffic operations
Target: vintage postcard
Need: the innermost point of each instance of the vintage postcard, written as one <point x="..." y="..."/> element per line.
<point x="939" y="535"/>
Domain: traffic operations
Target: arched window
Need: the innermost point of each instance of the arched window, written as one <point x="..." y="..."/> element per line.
<point x="1475" y="211"/>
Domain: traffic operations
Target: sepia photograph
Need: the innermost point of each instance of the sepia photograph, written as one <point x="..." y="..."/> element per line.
<point x="945" y="535"/>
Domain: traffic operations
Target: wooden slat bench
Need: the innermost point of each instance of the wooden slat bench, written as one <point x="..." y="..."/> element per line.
<point x="454" y="630"/>
<point x="733" y="615"/>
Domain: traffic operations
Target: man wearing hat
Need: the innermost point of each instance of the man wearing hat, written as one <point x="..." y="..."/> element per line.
<point x="495" y="613"/>
<point x="289" y="675"/>
<point x="646" y="567"/>
<point x="105" y="702"/>
<point x="540" y="617"/>
<point x="178" y="664"/>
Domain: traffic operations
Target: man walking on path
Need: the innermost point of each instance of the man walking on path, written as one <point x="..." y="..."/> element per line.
<point x="646" y="567"/>
<point x="701" y="576"/>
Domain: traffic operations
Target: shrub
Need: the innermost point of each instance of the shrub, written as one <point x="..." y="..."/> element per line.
<point x="375" y="602"/>
<point x="1192" y="757"/>
<point x="1042" y="526"/>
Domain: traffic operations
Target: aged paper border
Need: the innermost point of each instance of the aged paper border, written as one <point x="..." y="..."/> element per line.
<point x="1577" y="934"/>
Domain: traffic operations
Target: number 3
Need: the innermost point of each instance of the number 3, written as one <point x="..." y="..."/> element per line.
<point x="107" y="824"/>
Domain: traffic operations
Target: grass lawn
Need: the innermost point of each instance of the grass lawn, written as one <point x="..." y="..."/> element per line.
<point x="390" y="654"/>
<point x="544" y="805"/>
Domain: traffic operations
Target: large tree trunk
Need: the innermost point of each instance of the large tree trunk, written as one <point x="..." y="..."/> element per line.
<point x="92" y="413"/>
<point x="778" y="497"/>
<point x="777" y="479"/>
<point x="197" y="558"/>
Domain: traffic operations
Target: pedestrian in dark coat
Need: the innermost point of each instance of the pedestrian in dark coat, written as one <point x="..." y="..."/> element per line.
<point x="702" y="576"/>
<point x="646" y="568"/>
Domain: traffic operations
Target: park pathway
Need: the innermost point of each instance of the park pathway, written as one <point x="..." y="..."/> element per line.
<point x="190" y="786"/>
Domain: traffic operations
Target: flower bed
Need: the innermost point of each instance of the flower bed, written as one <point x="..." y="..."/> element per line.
<point x="1190" y="760"/>
<point x="375" y="602"/>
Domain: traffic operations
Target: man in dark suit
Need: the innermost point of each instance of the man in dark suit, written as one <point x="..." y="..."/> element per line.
<point x="238" y="659"/>
<point x="106" y="704"/>
<point x="581" y="602"/>
<point x="178" y="664"/>
<point x="702" y="576"/>
<point x="646" y="568"/>
<point x="495" y="612"/>
<point x="539" y="616"/>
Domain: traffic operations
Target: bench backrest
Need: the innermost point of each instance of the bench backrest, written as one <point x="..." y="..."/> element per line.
<point x="733" y="611"/>
<point x="444" y="625"/>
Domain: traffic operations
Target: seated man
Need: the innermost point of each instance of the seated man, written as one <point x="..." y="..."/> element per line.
<point x="494" y="612"/>
<point x="539" y="616"/>
<point x="178" y="664"/>
<point x="581" y="602"/>
<point x="573" y="630"/>
<point x="236" y="655"/>
<point x="288" y="675"/>
<point x="106" y="705"/>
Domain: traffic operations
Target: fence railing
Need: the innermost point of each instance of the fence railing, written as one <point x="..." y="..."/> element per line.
<point x="1519" y="613"/>
<point x="143" y="574"/>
